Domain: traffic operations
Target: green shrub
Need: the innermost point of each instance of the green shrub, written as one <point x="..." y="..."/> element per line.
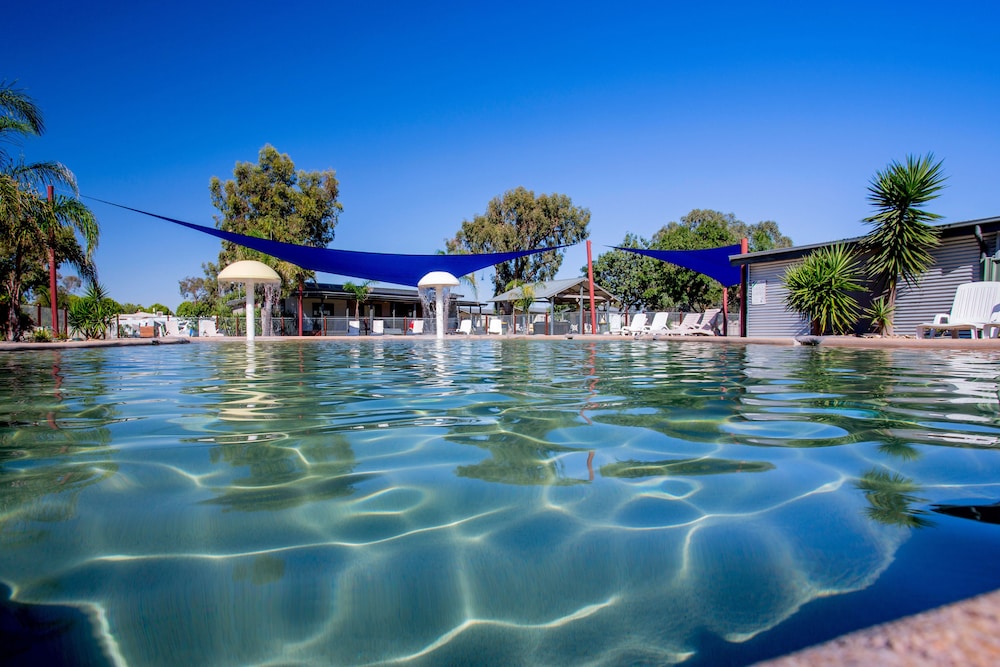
<point x="93" y="313"/>
<point x="41" y="336"/>
<point x="820" y="287"/>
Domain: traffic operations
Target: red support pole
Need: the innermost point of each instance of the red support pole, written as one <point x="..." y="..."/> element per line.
<point x="744" y="270"/>
<point x="590" y="282"/>
<point x="53" y="291"/>
<point x="300" y="308"/>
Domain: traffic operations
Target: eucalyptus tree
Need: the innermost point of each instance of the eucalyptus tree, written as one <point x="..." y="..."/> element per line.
<point x="273" y="200"/>
<point x="519" y="220"/>
<point x="626" y="275"/>
<point x="675" y="286"/>
<point x="902" y="239"/>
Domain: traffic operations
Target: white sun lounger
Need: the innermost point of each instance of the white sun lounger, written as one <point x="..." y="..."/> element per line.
<point x="975" y="305"/>
<point x="636" y="326"/>
<point x="659" y="324"/>
<point x="695" y="324"/>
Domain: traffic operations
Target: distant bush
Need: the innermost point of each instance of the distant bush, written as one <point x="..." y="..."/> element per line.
<point x="41" y="336"/>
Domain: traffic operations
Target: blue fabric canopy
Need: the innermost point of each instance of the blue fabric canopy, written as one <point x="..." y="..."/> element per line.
<point x="712" y="262"/>
<point x="383" y="267"/>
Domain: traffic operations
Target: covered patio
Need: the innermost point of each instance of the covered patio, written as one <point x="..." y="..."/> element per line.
<point x="568" y="291"/>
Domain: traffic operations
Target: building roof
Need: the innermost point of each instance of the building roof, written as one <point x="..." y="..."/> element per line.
<point x="947" y="230"/>
<point x="567" y="290"/>
<point x="376" y="293"/>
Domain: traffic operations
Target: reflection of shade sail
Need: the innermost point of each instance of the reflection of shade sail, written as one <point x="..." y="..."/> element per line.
<point x="713" y="262"/>
<point x="383" y="267"/>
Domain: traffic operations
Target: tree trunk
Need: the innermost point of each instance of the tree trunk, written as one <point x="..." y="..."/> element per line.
<point x="887" y="331"/>
<point x="265" y="311"/>
<point x="14" y="308"/>
<point x="53" y="288"/>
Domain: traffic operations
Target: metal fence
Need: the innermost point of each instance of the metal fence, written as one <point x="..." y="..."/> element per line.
<point x="531" y="324"/>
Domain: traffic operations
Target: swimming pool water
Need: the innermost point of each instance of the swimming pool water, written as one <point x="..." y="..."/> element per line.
<point x="492" y="502"/>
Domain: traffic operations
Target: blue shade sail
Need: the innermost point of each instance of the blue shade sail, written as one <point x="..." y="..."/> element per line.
<point x="712" y="262"/>
<point x="382" y="267"/>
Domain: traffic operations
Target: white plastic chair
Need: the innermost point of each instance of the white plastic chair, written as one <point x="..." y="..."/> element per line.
<point x="658" y="325"/>
<point x="496" y="326"/>
<point x="465" y="327"/>
<point x="696" y="324"/>
<point x="974" y="306"/>
<point x="206" y="327"/>
<point x="636" y="325"/>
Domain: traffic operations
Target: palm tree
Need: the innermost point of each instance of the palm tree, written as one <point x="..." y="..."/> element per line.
<point x="41" y="232"/>
<point x="901" y="241"/>
<point x="19" y="115"/>
<point x="25" y="219"/>
<point x="66" y="213"/>
<point x="361" y="293"/>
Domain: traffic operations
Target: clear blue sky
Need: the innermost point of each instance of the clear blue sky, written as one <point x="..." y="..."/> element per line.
<point x="639" y="111"/>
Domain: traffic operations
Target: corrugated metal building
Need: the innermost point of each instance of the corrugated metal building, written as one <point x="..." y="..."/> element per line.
<point x="969" y="251"/>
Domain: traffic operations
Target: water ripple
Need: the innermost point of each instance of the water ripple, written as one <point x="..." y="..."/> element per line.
<point x="506" y="502"/>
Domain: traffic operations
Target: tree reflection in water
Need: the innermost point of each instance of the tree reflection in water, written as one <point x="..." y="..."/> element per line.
<point x="42" y="436"/>
<point x="890" y="498"/>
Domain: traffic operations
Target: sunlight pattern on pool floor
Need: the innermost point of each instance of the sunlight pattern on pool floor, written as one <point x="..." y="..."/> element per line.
<point x="486" y="502"/>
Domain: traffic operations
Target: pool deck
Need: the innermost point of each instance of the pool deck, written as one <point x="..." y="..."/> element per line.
<point x="966" y="633"/>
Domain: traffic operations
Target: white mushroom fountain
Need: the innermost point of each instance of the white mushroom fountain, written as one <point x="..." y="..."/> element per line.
<point x="250" y="273"/>
<point x="439" y="280"/>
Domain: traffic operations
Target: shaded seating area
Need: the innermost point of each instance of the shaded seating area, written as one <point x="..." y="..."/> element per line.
<point x="976" y="308"/>
<point x="573" y="292"/>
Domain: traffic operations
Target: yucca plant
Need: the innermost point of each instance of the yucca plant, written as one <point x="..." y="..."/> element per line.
<point x="881" y="313"/>
<point x="820" y="287"/>
<point x="902" y="239"/>
<point x="93" y="313"/>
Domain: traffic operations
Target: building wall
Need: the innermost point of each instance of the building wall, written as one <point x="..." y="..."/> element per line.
<point x="956" y="261"/>
<point x="766" y="314"/>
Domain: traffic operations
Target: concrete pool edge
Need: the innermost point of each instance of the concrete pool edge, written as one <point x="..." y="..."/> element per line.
<point x="962" y="633"/>
<point x="810" y="341"/>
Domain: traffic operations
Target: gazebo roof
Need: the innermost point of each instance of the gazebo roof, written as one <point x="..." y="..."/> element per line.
<point x="567" y="290"/>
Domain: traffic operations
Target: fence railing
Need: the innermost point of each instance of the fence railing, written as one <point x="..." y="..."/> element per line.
<point x="532" y="324"/>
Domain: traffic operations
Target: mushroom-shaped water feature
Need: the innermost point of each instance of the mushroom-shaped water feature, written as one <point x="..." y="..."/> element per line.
<point x="250" y="273"/>
<point x="439" y="280"/>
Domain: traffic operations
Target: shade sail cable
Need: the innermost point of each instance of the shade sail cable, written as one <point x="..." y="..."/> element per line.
<point x="382" y="267"/>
